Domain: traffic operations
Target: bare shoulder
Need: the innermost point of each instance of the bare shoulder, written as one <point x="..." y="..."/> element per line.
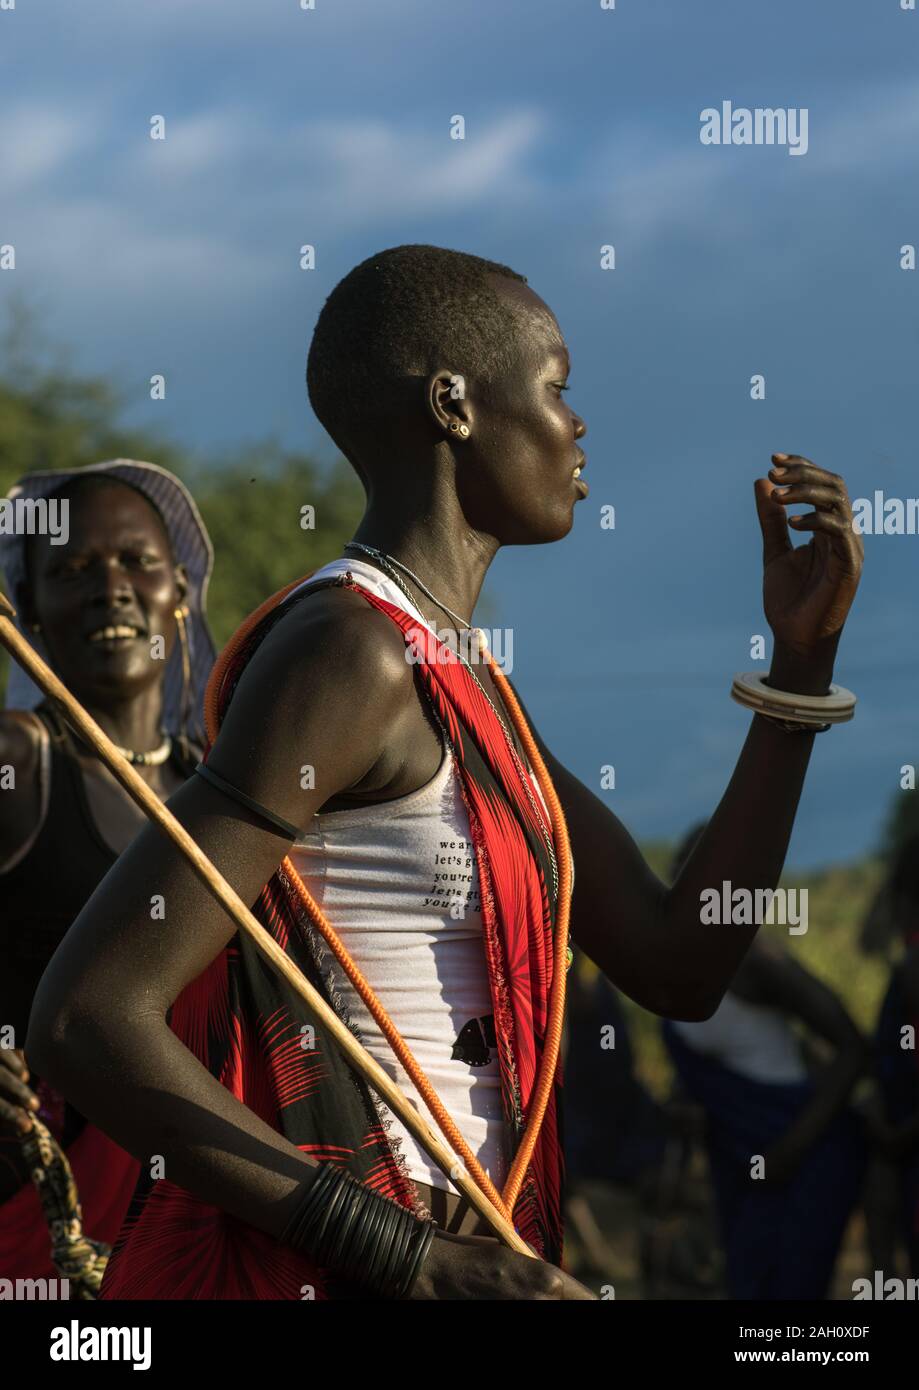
<point x="328" y="689"/>
<point x="333" y="641"/>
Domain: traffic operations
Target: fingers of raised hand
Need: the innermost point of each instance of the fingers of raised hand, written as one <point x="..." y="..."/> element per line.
<point x="818" y="495"/>
<point x="821" y="521"/>
<point x="798" y="480"/>
<point x="794" y="468"/>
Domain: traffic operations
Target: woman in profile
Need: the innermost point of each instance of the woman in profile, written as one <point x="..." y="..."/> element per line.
<point x="442" y="379"/>
<point x="117" y="610"/>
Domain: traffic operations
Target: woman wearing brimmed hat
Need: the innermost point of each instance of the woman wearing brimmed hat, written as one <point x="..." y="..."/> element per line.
<point x="114" y="599"/>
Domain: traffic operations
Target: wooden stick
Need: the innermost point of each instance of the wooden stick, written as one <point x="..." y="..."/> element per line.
<point x="23" y="652"/>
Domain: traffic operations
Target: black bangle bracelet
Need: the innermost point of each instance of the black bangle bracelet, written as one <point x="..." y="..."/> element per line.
<point x="379" y="1246"/>
<point x="327" y="1221"/>
<point x="361" y="1236"/>
<point x="403" y="1244"/>
<point x="355" y="1206"/>
<point x="311" y="1203"/>
<point x="423" y="1246"/>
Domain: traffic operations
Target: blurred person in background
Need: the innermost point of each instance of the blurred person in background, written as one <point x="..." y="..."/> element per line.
<point x="655" y="1225"/>
<point x="892" y="1187"/>
<point x="764" y="1096"/>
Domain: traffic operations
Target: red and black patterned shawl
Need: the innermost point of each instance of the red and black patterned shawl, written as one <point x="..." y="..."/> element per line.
<point x="244" y="1024"/>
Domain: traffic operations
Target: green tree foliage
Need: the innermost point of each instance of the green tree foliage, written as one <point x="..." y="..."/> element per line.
<point x="253" y="507"/>
<point x="52" y="416"/>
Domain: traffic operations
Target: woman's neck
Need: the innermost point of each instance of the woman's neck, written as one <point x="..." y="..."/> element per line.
<point x="450" y="561"/>
<point x="134" y="722"/>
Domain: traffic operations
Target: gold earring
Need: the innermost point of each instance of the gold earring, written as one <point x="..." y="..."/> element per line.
<point x="180" y="614"/>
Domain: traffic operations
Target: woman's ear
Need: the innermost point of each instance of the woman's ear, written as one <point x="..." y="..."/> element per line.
<point x="181" y="581"/>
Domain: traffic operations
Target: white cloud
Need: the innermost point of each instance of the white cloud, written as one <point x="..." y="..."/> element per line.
<point x="37" y="144"/>
<point x="363" y="166"/>
<point x="877" y="127"/>
<point x="194" y="213"/>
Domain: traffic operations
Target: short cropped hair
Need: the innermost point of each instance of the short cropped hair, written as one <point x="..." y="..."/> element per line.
<point x="402" y="313"/>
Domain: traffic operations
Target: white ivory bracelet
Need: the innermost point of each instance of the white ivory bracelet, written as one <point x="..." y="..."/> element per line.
<point x="750" y="689"/>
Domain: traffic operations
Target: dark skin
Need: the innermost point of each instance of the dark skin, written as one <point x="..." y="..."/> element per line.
<point x="443" y="506"/>
<point x="116" y="569"/>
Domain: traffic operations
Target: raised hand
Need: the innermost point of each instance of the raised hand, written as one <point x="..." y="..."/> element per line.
<point x="807" y="590"/>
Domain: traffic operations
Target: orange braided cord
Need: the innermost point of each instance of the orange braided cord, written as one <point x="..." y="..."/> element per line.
<point x="543" y="1087"/>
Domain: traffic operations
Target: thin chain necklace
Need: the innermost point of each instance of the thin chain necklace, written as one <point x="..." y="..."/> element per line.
<point x="387" y="562"/>
<point x="379" y="555"/>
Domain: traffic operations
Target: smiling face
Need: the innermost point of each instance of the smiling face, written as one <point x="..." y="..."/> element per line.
<point x="101" y="597"/>
<point x="518" y="475"/>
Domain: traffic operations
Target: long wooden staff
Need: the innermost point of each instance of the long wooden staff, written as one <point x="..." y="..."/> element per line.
<point x="23" y="652"/>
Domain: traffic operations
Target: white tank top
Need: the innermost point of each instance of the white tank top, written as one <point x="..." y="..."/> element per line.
<point x="399" y="883"/>
<point x="751" y="1039"/>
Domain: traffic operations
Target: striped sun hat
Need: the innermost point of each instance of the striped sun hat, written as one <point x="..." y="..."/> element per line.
<point x="191" y="546"/>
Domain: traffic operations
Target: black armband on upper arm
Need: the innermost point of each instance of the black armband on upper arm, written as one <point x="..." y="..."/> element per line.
<point x="291" y="831"/>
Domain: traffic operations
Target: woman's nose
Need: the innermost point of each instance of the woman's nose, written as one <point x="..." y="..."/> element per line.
<point x="113" y="581"/>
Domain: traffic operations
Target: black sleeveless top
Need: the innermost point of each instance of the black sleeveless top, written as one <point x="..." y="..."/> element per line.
<point x="45" y="892"/>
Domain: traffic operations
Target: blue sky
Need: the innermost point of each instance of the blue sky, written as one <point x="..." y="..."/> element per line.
<point x="331" y="127"/>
